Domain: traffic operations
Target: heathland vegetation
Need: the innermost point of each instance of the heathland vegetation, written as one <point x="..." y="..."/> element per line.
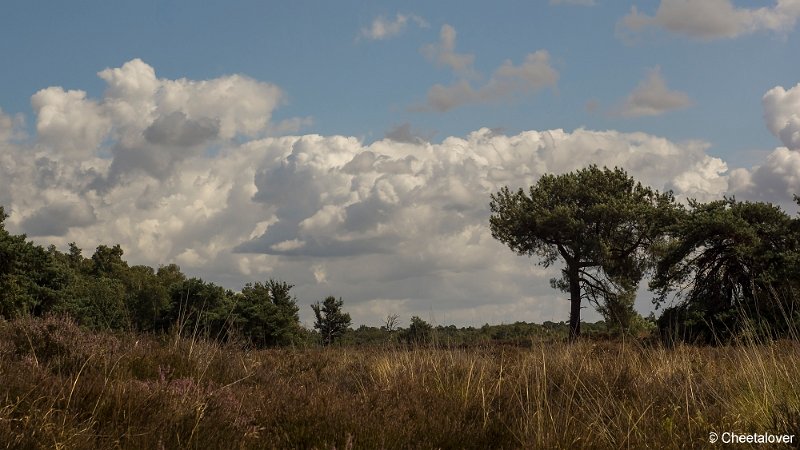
<point x="68" y="387"/>
<point x="98" y="353"/>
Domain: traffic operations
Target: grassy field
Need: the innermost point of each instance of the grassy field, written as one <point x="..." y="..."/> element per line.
<point x="63" y="387"/>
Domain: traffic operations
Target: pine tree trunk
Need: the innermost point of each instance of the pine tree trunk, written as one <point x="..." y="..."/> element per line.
<point x="575" y="303"/>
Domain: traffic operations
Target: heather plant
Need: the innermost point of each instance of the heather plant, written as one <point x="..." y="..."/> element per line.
<point x="67" y="387"/>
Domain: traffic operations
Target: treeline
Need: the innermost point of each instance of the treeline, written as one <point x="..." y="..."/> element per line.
<point x="721" y="271"/>
<point x="103" y="292"/>
<point x="517" y="334"/>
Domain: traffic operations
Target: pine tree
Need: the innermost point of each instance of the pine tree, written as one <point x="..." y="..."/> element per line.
<point x="331" y="321"/>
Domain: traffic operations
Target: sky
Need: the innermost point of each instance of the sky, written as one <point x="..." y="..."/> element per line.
<point x="350" y="148"/>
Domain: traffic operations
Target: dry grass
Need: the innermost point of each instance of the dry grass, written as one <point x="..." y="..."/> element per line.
<point x="63" y="387"/>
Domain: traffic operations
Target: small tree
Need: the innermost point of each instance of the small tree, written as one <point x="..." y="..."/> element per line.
<point x="419" y="331"/>
<point x="390" y="324"/>
<point x="331" y="321"/>
<point x="107" y="262"/>
<point x="621" y="318"/>
<point x="267" y="314"/>
<point x="199" y="307"/>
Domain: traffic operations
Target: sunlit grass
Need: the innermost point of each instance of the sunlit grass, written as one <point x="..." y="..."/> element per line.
<point x="63" y="387"/>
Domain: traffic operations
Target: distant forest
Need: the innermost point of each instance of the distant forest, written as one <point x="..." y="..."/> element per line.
<point x="104" y="292"/>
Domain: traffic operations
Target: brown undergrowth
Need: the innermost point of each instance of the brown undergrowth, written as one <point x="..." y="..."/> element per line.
<point x="64" y="387"/>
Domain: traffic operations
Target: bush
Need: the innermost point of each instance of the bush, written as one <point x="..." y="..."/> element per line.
<point x="419" y="332"/>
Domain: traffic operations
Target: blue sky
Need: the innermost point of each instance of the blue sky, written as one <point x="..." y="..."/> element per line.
<point x="362" y="87"/>
<point x="673" y="89"/>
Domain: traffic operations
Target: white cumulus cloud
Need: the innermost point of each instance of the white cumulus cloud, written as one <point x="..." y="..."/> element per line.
<point x="777" y="179"/>
<point x="392" y="226"/>
<point x="507" y="81"/>
<point x="713" y="19"/>
<point x="444" y="52"/>
<point x="652" y="97"/>
<point x="782" y="114"/>
<point x="10" y="126"/>
<point x="382" y="28"/>
<point x="69" y="122"/>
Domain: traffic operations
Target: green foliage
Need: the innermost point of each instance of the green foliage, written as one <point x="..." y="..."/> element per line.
<point x="367" y="336"/>
<point x="733" y="266"/>
<point x="170" y="275"/>
<point x="104" y="292"/>
<point x="30" y="277"/>
<point x="107" y="262"/>
<point x="518" y="334"/>
<point x="618" y="312"/>
<point x="147" y="297"/>
<point x="331" y="321"/>
<point x="418" y="332"/>
<point x="267" y="314"/>
<point x="96" y="302"/>
<point x="600" y="222"/>
<point x="75" y="259"/>
<point x="200" y="307"/>
<point x="620" y="317"/>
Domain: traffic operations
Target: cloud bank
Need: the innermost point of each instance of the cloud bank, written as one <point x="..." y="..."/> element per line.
<point x="182" y="171"/>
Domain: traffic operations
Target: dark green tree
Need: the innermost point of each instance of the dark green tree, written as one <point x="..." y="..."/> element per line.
<point x="96" y="302"/>
<point x="107" y="262"/>
<point x="267" y="314"/>
<point x="198" y="307"/>
<point x="30" y="277"/>
<point x="170" y="275"/>
<point x="731" y="265"/>
<point x="418" y="332"/>
<point x="331" y="321"/>
<point x="618" y="312"/>
<point x="76" y="261"/>
<point x="600" y="222"/>
<point x="146" y="297"/>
